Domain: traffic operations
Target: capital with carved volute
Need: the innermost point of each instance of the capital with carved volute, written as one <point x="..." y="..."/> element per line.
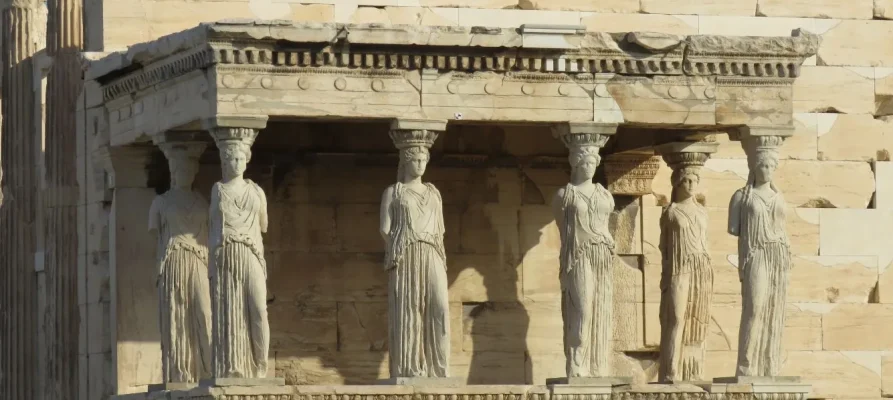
<point x="583" y="137"/>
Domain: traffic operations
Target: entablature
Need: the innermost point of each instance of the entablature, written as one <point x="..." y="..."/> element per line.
<point x="535" y="73"/>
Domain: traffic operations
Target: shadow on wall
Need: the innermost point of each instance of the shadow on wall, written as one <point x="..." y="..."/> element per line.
<point x="327" y="286"/>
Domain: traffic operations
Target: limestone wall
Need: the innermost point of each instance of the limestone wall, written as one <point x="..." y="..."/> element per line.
<point x="327" y="286"/>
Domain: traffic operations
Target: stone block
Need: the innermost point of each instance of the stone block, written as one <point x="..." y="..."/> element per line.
<point x="331" y="368"/>
<point x="883" y="88"/>
<point x="672" y="24"/>
<point x="483" y="277"/>
<point x="423" y="16"/>
<point x="495" y="327"/>
<point x="887" y="375"/>
<point x="720" y="363"/>
<point x="803" y="328"/>
<point x="855" y="42"/>
<point x="833" y="279"/>
<point x="857" y="9"/>
<point x="839" y="238"/>
<point x="747" y="26"/>
<point x="515" y="18"/>
<point x="309" y="12"/>
<point x="166" y="17"/>
<point x="326" y="276"/>
<point x="490" y="229"/>
<point x="358" y="227"/>
<point x="469" y="3"/>
<point x="711" y="7"/>
<point x="805" y="184"/>
<point x="303" y="326"/>
<point x="855" y="327"/>
<point x="745" y="105"/>
<point x="856" y="374"/>
<point x="490" y="367"/>
<point x="118" y="33"/>
<point x="883" y="9"/>
<point x="316" y="227"/>
<point x="856" y="137"/>
<point x="610" y="6"/>
<point x="626" y="225"/>
<point x="803" y="145"/>
<point x="98" y="328"/>
<point x="847" y="90"/>
<point x="541" y="243"/>
<point x="100" y="379"/>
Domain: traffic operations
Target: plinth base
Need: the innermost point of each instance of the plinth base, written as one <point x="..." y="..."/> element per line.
<point x="679" y="387"/>
<point x="590" y="381"/>
<point x="760" y="384"/>
<point x="225" y="382"/>
<point x="423" y="382"/>
<point x="168" y="386"/>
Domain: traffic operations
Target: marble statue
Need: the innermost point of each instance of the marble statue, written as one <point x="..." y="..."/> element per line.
<point x="582" y="209"/>
<point x="180" y="218"/>
<point x="241" y="331"/>
<point x="757" y="218"/>
<point x="415" y="259"/>
<point x="686" y="283"/>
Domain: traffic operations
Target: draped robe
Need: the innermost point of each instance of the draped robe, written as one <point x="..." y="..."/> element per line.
<point x="418" y="307"/>
<point x="184" y="306"/>
<point x="241" y="331"/>
<point x="587" y="281"/>
<point x="686" y="290"/>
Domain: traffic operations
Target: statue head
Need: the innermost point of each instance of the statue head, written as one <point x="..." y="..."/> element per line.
<point x="685" y="182"/>
<point x="762" y="157"/>
<point x="182" y="158"/>
<point x="764" y="165"/>
<point x="413" y="162"/>
<point x="584" y="161"/>
<point x="234" y="157"/>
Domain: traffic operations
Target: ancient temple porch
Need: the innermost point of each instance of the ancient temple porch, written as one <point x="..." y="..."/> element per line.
<point x="324" y="97"/>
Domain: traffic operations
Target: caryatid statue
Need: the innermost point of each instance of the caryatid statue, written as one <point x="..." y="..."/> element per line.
<point x="757" y="218"/>
<point x="180" y="217"/>
<point x="241" y="331"/>
<point x="582" y="210"/>
<point x="686" y="283"/>
<point x="415" y="259"/>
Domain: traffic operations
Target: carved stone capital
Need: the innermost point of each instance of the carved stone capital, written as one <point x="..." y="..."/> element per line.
<point x="125" y="165"/>
<point x="686" y="154"/>
<point x="631" y="173"/>
<point x="416" y="132"/>
<point x="582" y="134"/>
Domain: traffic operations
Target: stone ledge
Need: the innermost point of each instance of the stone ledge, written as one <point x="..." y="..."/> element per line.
<point x="715" y="391"/>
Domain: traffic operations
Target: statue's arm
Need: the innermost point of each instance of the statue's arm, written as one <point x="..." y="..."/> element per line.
<point x="558" y="210"/>
<point x="384" y="213"/>
<point x="735" y="213"/>
<point x="264" y="218"/>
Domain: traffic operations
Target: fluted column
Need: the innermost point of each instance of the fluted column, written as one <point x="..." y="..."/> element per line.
<point x="20" y="150"/>
<point x="64" y="43"/>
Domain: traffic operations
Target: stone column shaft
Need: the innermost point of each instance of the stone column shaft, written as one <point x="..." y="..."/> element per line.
<point x="20" y="150"/>
<point x="65" y="40"/>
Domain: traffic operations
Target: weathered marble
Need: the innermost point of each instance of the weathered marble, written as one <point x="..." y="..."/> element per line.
<point x="180" y="218"/>
<point x="582" y="210"/>
<point x="757" y="218"/>
<point x="687" y="274"/>
<point x="238" y="269"/>
<point x="415" y="259"/>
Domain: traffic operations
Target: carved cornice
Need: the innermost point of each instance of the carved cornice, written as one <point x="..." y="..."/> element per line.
<point x="305" y="47"/>
<point x="170" y="68"/>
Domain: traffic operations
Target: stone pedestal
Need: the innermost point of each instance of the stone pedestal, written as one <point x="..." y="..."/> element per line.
<point x="161" y="387"/>
<point x="424" y="382"/>
<point x="228" y="382"/>
<point x="775" y="387"/>
<point x="591" y="381"/>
